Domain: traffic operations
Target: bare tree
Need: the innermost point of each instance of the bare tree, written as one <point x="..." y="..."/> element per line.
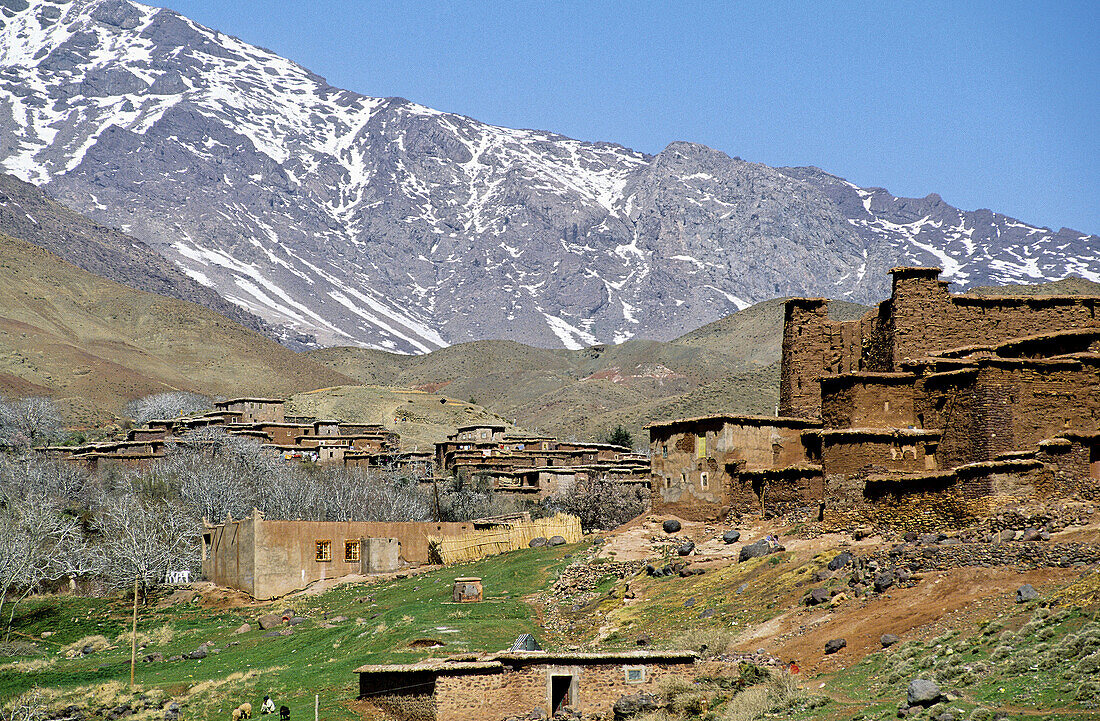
<point x="30" y="706"/>
<point x="28" y="423"/>
<point x="600" y="503"/>
<point x="166" y="405"/>
<point x="142" y="539"/>
<point x="36" y="544"/>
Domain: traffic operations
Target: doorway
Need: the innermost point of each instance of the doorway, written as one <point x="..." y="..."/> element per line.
<point x="562" y="692"/>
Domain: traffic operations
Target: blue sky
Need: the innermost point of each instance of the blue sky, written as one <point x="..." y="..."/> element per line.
<point x="990" y="104"/>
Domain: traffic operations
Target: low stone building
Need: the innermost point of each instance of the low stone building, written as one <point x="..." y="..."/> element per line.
<point x="517" y="683"/>
<point x="267" y="559"/>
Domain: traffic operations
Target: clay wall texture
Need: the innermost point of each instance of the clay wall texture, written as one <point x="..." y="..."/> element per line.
<point x="496" y="696"/>
<point x="268" y="559"/>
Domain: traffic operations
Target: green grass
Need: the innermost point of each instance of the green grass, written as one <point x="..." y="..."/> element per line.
<point x="384" y="618"/>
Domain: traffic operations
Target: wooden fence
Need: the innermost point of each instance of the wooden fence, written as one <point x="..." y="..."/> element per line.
<point x="509" y="536"/>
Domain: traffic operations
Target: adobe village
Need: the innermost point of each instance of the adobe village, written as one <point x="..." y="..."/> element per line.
<point x="913" y="533"/>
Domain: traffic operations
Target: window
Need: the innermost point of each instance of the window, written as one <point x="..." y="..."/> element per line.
<point x="668" y="481"/>
<point x="351" y="551"/>
<point x="701" y="447"/>
<point x="704" y="481"/>
<point x="324" y="550"/>
<point x="634" y="674"/>
<point x="484" y="434"/>
<point x="664" y="451"/>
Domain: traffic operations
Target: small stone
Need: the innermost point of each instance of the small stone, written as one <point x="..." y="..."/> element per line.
<point x="834" y="645"/>
<point x="296" y="620"/>
<point x="884" y="581"/>
<point x="888" y="640"/>
<point x="671" y="526"/>
<point x="245" y="628"/>
<point x="816" y="597"/>
<point x="686" y="548"/>
<point x="754" y="550"/>
<point x="1030" y="534"/>
<point x="923" y="692"/>
<point x="840" y="561"/>
<point x="153" y="658"/>
<point x="742" y="588"/>
<point x="198" y="653"/>
<point x="644" y="640"/>
<point x="269" y="621"/>
<point x="1026" y="593"/>
<point x="731" y="537"/>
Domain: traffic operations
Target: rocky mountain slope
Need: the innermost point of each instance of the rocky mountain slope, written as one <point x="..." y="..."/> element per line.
<point x="94" y="344"/>
<point x="28" y="213"/>
<point x="383" y="223"/>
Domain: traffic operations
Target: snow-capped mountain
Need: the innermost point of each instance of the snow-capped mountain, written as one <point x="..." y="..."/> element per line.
<point x="384" y="223"/>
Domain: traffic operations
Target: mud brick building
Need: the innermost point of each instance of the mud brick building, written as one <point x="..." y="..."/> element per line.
<point x="516" y="683"/>
<point x="933" y="406"/>
<point x="537" y="466"/>
<point x="267" y="559"/>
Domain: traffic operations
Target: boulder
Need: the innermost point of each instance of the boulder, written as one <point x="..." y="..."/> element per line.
<point x="245" y="628"/>
<point x="923" y="692"/>
<point x="671" y="526"/>
<point x="840" y="561"/>
<point x="296" y="620"/>
<point x="888" y="640"/>
<point x="651" y="570"/>
<point x="198" y="653"/>
<point x="1026" y="593"/>
<point x="754" y="550"/>
<point x="946" y="716"/>
<point x="644" y="640"/>
<point x="153" y="658"/>
<point x="884" y="581"/>
<point x="634" y="704"/>
<point x="338" y="619"/>
<point x="538" y="542"/>
<point x="834" y="645"/>
<point x="269" y="621"/>
<point x="911" y="536"/>
<point x="731" y="537"/>
<point x="1030" y="534"/>
<point x="686" y="548"/>
<point x="816" y="596"/>
<point x="557" y="541"/>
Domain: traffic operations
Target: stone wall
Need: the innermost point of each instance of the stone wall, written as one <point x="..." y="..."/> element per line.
<point x="868" y="400"/>
<point x="886" y="449"/>
<point x="519" y="690"/>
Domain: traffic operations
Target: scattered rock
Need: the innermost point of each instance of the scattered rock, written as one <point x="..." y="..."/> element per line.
<point x="911" y="536"/>
<point x="556" y="541"/>
<point x="1030" y="534"/>
<point x="742" y="588"/>
<point x="175" y="658"/>
<point x="634" y="704"/>
<point x="153" y="658"/>
<point x="671" y="526"/>
<point x="198" y="653"/>
<point x="884" y="581"/>
<point x="731" y="537"/>
<point x="834" y="645"/>
<point x="245" y="628"/>
<point x="296" y="620"/>
<point x="840" y="561"/>
<point x="644" y="640"/>
<point x="539" y="542"/>
<point x="923" y="692"/>
<point x="686" y="548"/>
<point x="754" y="550"/>
<point x="946" y="716"/>
<point x="338" y="619"/>
<point x="816" y="596"/>
<point x="269" y="621"/>
<point x="888" y="640"/>
<point x="1026" y="593"/>
<point x="272" y="634"/>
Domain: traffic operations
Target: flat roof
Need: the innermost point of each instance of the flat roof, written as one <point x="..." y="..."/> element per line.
<point x="497" y="661"/>
<point x="481" y="425"/>
<point x="784" y="421"/>
<point x="231" y="401"/>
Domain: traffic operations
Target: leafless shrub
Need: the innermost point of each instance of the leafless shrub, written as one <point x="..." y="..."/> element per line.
<point x="600" y="503"/>
<point x="166" y="405"/>
<point x="28" y="423"/>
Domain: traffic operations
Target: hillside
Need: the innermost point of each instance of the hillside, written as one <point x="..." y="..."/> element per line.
<point x="730" y="365"/>
<point x="379" y="222"/>
<point x="95" y="344"/>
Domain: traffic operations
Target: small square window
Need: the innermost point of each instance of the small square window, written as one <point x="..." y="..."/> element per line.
<point x="324" y="550"/>
<point x="634" y="674"/>
<point x="704" y="481"/>
<point x="351" y="551"/>
<point x="664" y="451"/>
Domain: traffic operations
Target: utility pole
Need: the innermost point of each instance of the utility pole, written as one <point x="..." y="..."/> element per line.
<point x="133" y="636"/>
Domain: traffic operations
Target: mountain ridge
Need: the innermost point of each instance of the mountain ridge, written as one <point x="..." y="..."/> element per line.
<point x="380" y="222"/>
